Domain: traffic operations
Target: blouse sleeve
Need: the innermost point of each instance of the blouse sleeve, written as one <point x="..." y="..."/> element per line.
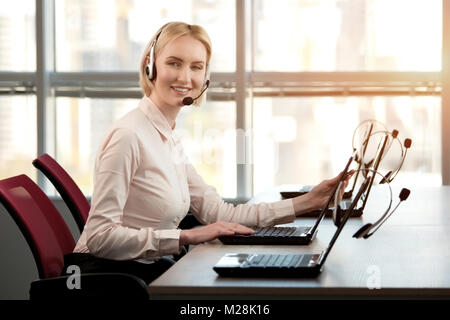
<point x="209" y="207"/>
<point x="106" y="237"/>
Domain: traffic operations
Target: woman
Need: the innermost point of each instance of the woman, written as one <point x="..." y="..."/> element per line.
<point x="143" y="183"/>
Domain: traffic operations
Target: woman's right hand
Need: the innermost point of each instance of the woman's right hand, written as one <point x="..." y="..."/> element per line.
<point x="212" y="231"/>
<point x="319" y="195"/>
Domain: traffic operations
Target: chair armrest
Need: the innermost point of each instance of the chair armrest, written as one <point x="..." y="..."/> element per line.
<point x="92" y="285"/>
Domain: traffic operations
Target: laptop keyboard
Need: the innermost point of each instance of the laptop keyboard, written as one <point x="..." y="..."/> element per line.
<point x="279" y="232"/>
<point x="275" y="260"/>
<point x="272" y="235"/>
<point x="275" y="232"/>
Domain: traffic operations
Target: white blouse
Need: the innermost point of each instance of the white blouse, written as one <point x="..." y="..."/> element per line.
<point x="143" y="187"/>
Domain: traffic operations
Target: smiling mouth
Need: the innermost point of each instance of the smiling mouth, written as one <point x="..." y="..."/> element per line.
<point x="181" y="90"/>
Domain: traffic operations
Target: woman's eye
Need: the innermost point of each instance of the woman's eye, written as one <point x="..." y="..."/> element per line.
<point x="174" y="64"/>
<point x="197" y="67"/>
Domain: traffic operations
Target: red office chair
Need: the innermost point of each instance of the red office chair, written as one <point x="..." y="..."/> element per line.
<point x="67" y="188"/>
<point x="50" y="239"/>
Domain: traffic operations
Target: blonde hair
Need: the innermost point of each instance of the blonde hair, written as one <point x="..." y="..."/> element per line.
<point x="168" y="32"/>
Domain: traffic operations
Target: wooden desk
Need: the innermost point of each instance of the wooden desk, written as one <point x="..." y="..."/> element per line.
<point x="408" y="257"/>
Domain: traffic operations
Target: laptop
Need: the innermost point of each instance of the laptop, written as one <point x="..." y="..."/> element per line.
<point x="286" y="235"/>
<point x="282" y="265"/>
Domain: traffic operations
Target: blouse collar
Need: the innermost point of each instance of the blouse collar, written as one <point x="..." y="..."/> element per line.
<point x="156" y="117"/>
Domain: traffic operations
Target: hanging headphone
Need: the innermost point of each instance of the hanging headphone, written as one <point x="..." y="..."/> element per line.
<point x="337" y="212"/>
<point x="393" y="137"/>
<point x="368" y="135"/>
<point x="370" y="228"/>
<point x="150" y="68"/>
<point x="368" y="130"/>
<point x="368" y="126"/>
<point x="391" y="175"/>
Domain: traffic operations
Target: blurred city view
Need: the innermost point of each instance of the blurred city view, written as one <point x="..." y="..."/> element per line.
<point x="293" y="139"/>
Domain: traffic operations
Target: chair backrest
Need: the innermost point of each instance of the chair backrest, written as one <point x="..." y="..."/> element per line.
<point x="67" y="188"/>
<point x="41" y="224"/>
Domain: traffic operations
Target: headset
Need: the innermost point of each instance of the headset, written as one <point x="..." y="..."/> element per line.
<point x="368" y="126"/>
<point x="373" y="125"/>
<point x="391" y="175"/>
<point x="370" y="228"/>
<point x="336" y="214"/>
<point x="150" y="68"/>
<point x="403" y="152"/>
<point x="384" y="146"/>
<point x="393" y="137"/>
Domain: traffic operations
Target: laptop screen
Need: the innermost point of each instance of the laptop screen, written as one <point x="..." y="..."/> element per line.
<point x="376" y="163"/>
<point x="325" y="208"/>
<point x="344" y="220"/>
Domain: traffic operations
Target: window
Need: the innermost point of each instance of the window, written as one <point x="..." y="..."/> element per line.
<point x="306" y="140"/>
<point x="209" y="141"/>
<point x="18" y="135"/>
<point x="91" y="35"/>
<point x="348" y="35"/>
<point x="18" y="131"/>
<point x="17" y="35"/>
<point x="81" y="127"/>
<point x="310" y="65"/>
<point x="206" y="133"/>
<point x="328" y="65"/>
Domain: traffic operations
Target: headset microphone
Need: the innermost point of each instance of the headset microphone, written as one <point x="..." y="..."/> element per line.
<point x="187" y="101"/>
<point x="364" y="231"/>
<point x="408" y="143"/>
<point x="404" y="194"/>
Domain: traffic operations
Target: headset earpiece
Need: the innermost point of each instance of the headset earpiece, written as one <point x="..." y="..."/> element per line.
<point x="150" y="69"/>
<point x="362" y="232"/>
<point x="206" y="81"/>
